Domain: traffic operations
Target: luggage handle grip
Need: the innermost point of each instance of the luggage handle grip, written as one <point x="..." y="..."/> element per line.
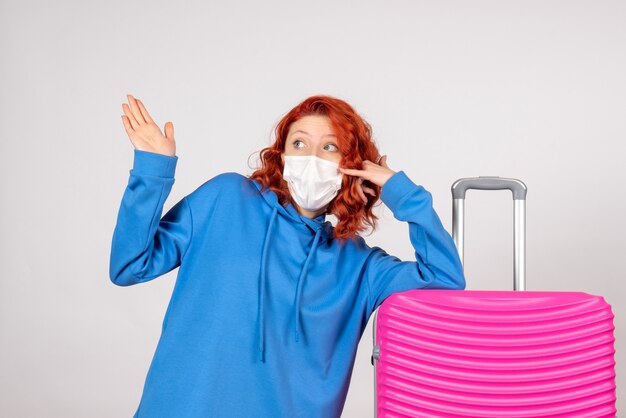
<point x="518" y="189"/>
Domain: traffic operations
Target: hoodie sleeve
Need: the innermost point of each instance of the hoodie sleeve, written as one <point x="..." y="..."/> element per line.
<point x="437" y="264"/>
<point x="144" y="245"/>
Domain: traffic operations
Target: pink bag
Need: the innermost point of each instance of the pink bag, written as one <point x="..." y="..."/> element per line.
<point x="474" y="353"/>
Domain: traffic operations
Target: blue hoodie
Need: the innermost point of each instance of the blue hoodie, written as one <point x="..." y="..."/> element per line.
<point x="268" y="309"/>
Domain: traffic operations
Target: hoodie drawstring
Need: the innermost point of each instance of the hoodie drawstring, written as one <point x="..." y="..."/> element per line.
<point x="268" y="235"/>
<point x="303" y="274"/>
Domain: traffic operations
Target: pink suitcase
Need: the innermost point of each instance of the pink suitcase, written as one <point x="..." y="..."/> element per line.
<point x="474" y="353"/>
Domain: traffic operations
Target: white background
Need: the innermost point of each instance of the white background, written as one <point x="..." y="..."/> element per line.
<point x="533" y="90"/>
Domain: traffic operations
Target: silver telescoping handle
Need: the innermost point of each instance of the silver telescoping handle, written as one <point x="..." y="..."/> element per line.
<point x="518" y="189"/>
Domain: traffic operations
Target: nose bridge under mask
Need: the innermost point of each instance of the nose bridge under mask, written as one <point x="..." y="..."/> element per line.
<point x="311" y="164"/>
<point x="319" y="169"/>
<point x="313" y="171"/>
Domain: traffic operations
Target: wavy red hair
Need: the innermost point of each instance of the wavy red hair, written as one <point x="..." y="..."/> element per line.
<point x="354" y="138"/>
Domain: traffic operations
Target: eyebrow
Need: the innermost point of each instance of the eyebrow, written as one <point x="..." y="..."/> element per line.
<point x="306" y="133"/>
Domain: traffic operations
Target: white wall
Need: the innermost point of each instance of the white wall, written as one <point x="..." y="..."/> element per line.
<point x="533" y="90"/>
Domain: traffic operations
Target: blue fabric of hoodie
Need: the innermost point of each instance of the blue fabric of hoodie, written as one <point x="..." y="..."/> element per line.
<point x="268" y="308"/>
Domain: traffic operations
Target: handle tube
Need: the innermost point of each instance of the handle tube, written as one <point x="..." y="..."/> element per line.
<point x="518" y="190"/>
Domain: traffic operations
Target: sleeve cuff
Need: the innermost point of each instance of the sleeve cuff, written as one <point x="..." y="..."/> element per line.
<point x="154" y="164"/>
<point x="396" y="189"/>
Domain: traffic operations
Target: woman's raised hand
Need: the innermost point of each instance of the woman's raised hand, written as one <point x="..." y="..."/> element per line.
<point x="373" y="172"/>
<point x="144" y="134"/>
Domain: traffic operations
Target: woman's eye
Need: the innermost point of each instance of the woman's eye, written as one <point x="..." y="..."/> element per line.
<point x="295" y="144"/>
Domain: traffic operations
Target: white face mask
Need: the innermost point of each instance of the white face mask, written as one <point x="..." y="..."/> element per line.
<point x="312" y="181"/>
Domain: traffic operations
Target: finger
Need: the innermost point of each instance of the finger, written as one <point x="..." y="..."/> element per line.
<point x="127" y="125"/>
<point x="354" y="172"/>
<point x="135" y="109"/>
<point x="351" y="171"/>
<point x="144" y="112"/>
<point x="130" y="116"/>
<point x="368" y="190"/>
<point x="363" y="197"/>
<point x="369" y="163"/>
<point x="169" y="130"/>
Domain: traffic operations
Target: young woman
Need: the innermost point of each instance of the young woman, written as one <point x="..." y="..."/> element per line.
<point x="271" y="299"/>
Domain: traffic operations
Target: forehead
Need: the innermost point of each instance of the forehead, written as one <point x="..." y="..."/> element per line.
<point x="316" y="125"/>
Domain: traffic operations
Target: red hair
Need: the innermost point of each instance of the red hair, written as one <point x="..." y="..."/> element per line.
<point x="354" y="137"/>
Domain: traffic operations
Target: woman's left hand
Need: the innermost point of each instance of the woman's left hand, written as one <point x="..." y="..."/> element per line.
<point x="377" y="174"/>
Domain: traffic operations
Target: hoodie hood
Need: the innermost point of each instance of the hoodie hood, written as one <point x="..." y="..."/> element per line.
<point x="318" y="226"/>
